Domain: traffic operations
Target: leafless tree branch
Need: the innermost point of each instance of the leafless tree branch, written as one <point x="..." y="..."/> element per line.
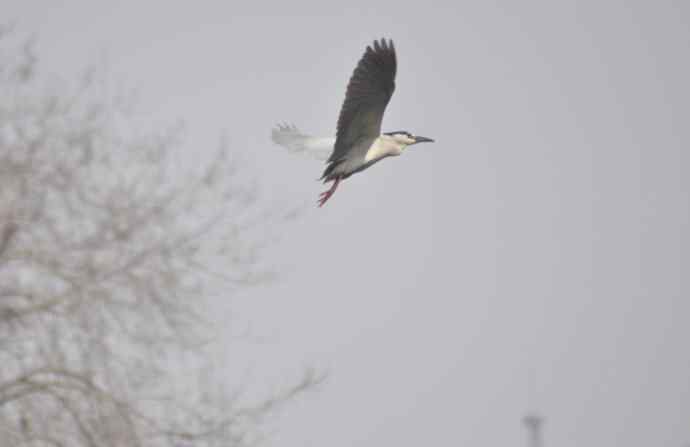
<point x="106" y="265"/>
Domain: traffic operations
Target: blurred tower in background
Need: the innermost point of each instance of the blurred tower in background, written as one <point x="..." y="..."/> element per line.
<point x="533" y="423"/>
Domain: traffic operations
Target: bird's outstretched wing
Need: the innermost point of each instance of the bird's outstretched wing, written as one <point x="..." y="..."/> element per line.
<point x="368" y="93"/>
<point x="289" y="136"/>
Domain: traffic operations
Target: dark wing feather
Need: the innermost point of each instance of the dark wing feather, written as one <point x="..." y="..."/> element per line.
<point x="368" y="92"/>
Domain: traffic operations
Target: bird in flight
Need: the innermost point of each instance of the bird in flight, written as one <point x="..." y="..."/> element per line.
<point x="359" y="142"/>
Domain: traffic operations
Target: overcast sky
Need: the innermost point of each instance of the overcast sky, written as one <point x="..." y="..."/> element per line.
<point x="534" y="258"/>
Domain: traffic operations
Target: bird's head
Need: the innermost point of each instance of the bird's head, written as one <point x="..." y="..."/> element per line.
<point x="404" y="138"/>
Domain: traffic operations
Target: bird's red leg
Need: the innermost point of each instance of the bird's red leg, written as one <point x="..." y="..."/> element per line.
<point x="323" y="198"/>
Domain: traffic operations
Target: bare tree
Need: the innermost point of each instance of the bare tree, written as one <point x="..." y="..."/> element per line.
<point x="105" y="248"/>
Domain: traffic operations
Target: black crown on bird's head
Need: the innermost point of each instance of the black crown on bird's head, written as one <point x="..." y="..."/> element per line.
<point x="399" y="132"/>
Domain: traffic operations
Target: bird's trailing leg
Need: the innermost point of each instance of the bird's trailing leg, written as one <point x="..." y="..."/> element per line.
<point x="323" y="198"/>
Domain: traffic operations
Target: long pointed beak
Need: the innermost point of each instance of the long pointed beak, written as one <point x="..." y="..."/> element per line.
<point x="418" y="139"/>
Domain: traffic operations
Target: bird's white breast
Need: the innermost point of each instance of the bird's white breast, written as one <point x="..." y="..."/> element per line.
<point x="383" y="146"/>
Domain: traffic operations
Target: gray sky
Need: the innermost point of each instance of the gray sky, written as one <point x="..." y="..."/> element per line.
<point x="534" y="257"/>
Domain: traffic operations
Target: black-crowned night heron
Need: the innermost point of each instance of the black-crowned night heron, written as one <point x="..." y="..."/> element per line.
<point x="358" y="143"/>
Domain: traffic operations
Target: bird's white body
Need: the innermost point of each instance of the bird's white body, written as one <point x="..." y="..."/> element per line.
<point x="376" y="150"/>
<point x="387" y="146"/>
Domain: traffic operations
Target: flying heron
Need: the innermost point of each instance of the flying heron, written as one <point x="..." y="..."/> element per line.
<point x="359" y="142"/>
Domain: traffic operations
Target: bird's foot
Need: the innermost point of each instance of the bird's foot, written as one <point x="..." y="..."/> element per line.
<point x="324" y="196"/>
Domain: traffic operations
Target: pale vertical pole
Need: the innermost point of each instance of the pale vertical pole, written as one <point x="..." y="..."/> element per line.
<point x="533" y="424"/>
